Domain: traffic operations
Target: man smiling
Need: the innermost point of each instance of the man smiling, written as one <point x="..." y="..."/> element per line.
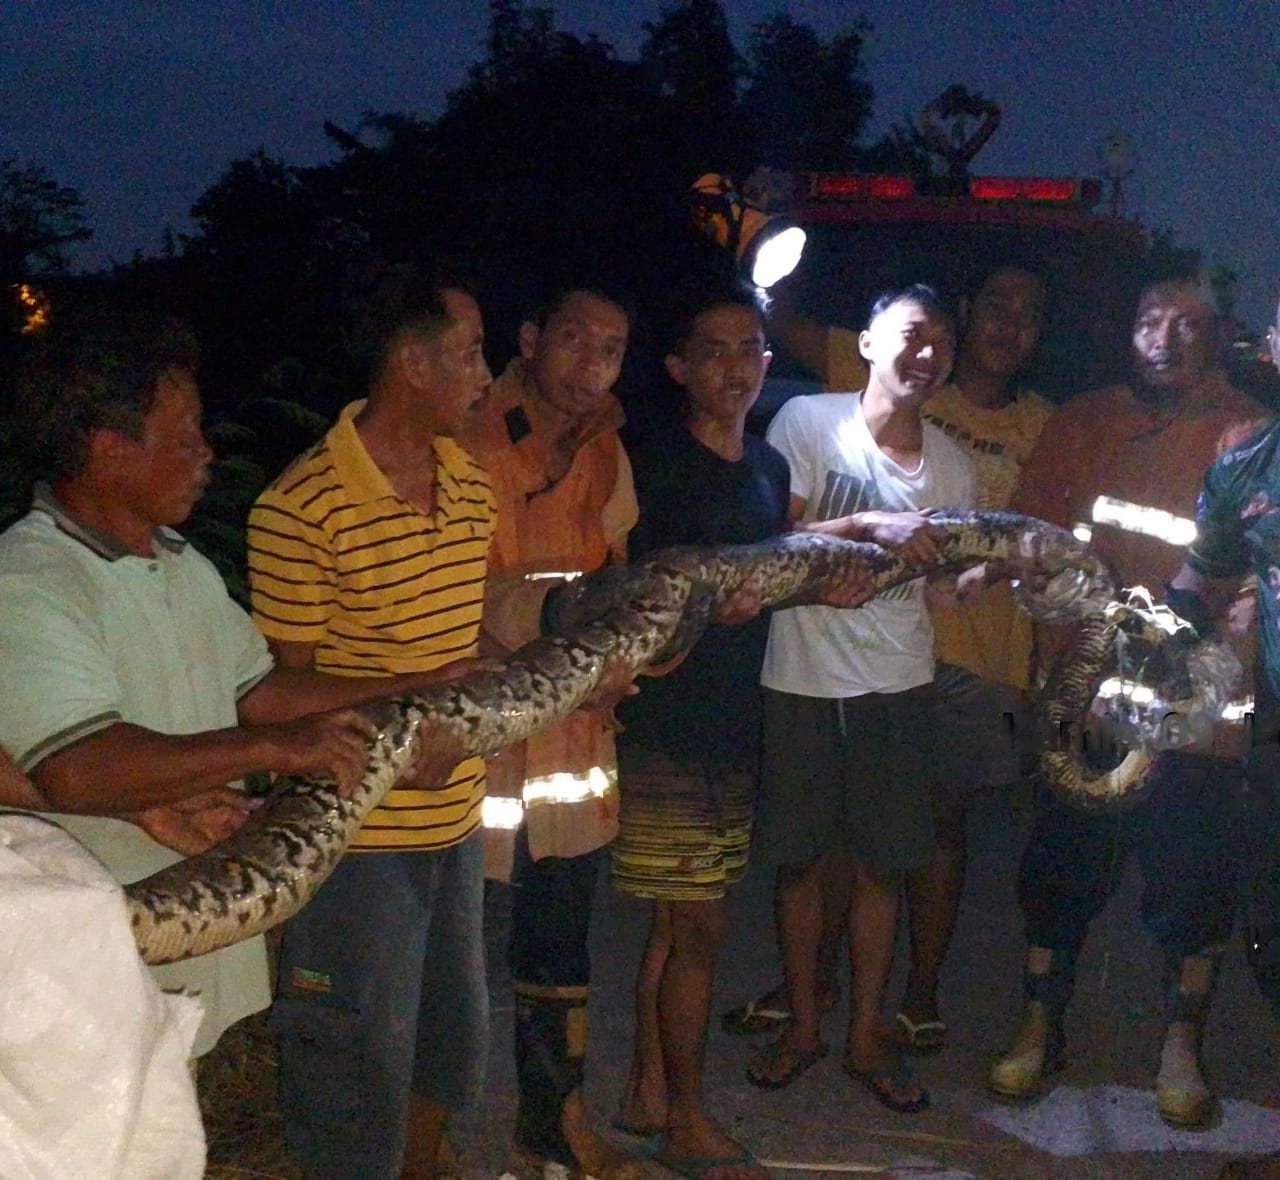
<point x="849" y="706"/>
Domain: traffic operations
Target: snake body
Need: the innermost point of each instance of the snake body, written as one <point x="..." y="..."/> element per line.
<point x="1068" y="693"/>
<point x="633" y="615"/>
<point x="1187" y="681"/>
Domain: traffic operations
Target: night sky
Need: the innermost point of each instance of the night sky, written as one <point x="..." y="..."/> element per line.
<point x="141" y="104"/>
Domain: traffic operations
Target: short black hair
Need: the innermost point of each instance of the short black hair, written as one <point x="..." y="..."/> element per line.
<point x="974" y="273"/>
<point x="695" y="303"/>
<point x="921" y="293"/>
<point x="556" y="297"/>
<point x="1006" y="268"/>
<point x="393" y="299"/>
<point x="1185" y="282"/>
<point x="97" y="366"/>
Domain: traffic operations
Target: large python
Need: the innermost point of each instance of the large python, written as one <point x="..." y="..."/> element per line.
<point x="1170" y="688"/>
<point x="634" y="615"/>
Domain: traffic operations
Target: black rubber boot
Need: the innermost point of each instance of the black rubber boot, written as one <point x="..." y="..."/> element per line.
<point x="551" y="1036"/>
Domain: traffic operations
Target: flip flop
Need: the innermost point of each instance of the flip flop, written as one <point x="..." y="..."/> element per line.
<point x="766" y="1013"/>
<point x="886" y="1082"/>
<point x="761" y="1067"/>
<point x="923" y="1039"/>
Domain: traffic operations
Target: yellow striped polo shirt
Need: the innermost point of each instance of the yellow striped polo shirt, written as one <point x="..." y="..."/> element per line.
<point x="337" y="559"/>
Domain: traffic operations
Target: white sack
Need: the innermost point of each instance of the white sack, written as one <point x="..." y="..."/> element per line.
<point x="94" y="1083"/>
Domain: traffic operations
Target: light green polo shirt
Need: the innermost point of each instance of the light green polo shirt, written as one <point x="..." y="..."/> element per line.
<point x="91" y="635"/>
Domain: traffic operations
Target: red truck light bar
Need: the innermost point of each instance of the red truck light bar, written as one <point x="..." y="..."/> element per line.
<point x="1027" y="188"/>
<point x="892" y="187"/>
<point x="845" y="187"/>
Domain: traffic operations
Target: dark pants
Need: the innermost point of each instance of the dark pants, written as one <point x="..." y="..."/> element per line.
<point x="1260" y="908"/>
<point x="1186" y="835"/>
<point x="550" y="971"/>
<point x="551" y="903"/>
<point x="382" y="994"/>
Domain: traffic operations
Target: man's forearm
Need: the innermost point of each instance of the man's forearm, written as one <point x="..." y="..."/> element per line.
<point x="289" y="693"/>
<point x="126" y="768"/>
<point x="857" y="526"/>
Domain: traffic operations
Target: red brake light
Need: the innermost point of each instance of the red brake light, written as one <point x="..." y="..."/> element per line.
<point x="839" y="187"/>
<point x="994" y="188"/>
<point x="1042" y="189"/>
<point x="893" y="187"/>
<point x="845" y="187"/>
<point x="1031" y="188"/>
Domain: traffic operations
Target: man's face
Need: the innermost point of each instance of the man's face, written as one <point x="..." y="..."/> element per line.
<point x="453" y="373"/>
<point x="723" y="362"/>
<point x="574" y="360"/>
<point x="1004" y="325"/>
<point x="162" y="475"/>
<point x="909" y="349"/>
<point x="1173" y="338"/>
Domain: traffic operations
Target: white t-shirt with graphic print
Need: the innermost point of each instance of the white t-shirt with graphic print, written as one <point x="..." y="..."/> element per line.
<point x="837" y="469"/>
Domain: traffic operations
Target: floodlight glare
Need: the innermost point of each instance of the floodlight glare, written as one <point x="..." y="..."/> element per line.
<point x="766" y="245"/>
<point x="777" y="254"/>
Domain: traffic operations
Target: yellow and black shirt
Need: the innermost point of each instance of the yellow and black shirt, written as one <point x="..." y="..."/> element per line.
<point x="337" y="559"/>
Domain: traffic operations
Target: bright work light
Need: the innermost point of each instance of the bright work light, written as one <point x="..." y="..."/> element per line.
<point x="767" y="246"/>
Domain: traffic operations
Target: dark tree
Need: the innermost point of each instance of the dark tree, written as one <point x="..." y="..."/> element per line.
<point x="39" y="218"/>
<point x="807" y="101"/>
<point x="901" y="150"/>
<point x="696" y="74"/>
<point x="262" y="280"/>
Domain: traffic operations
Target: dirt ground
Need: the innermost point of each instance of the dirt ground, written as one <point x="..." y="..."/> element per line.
<point x="824" y="1125"/>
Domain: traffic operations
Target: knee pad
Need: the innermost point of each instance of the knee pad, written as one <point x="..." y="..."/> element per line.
<point x="1053" y="989"/>
<point x="1184" y="1006"/>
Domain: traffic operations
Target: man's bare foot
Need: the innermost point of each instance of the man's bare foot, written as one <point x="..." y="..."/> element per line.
<point x="918" y="1028"/>
<point x="595" y="1156"/>
<point x="919" y="1008"/>
<point x="698" y="1147"/>
<point x="781" y="1062"/>
<point x="876" y="1063"/>
<point x="643" y="1110"/>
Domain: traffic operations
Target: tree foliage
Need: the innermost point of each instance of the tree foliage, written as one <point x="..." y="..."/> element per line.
<point x="39" y="218"/>
<point x="694" y="75"/>
<point x="554" y="158"/>
<point x="807" y="100"/>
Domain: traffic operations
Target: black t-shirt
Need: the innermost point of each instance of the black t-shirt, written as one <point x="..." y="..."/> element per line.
<point x="709" y="707"/>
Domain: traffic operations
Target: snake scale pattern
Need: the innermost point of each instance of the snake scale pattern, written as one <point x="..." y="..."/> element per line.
<point x="637" y="615"/>
<point x="1148" y="647"/>
<point x="1067" y="694"/>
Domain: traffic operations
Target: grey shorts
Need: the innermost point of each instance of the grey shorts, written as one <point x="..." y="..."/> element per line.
<point x="985" y="734"/>
<point x="852" y="772"/>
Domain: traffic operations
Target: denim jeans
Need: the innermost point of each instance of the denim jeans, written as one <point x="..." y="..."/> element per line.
<point x="382" y="994"/>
